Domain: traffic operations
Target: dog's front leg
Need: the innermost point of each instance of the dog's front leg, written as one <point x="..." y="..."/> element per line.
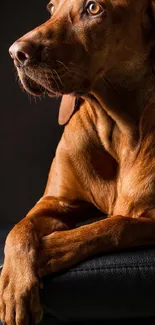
<point x="62" y="250"/>
<point x="19" y="281"/>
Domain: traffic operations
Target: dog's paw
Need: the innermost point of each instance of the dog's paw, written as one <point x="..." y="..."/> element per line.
<point x="59" y="250"/>
<point x="19" y="294"/>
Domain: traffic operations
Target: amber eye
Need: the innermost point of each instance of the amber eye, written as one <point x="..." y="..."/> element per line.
<point x="51" y="8"/>
<point x="93" y="8"/>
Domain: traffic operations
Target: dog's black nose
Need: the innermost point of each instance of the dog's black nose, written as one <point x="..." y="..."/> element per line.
<point x="21" y="52"/>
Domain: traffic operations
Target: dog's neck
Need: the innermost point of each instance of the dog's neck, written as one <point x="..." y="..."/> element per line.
<point x="126" y="101"/>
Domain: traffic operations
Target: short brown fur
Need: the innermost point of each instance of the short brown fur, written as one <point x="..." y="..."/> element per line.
<point x="104" y="165"/>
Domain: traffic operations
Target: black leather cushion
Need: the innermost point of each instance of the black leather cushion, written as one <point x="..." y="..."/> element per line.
<point x="112" y="286"/>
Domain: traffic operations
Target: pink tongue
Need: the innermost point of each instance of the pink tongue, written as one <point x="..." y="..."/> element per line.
<point x="66" y="109"/>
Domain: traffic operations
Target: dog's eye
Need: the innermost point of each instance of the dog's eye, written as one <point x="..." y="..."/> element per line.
<point x="94" y="8"/>
<point x="50" y="8"/>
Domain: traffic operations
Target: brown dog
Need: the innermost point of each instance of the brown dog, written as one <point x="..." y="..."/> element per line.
<point x="98" y="54"/>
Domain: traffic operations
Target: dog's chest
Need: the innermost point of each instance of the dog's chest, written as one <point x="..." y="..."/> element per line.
<point x="130" y="190"/>
<point x="123" y="186"/>
<point x="136" y="184"/>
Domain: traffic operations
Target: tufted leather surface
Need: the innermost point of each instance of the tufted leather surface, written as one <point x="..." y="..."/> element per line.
<point x="107" y="287"/>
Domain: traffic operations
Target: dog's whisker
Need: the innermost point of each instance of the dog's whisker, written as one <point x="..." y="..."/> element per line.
<point x="77" y="72"/>
<point x="52" y="76"/>
<point x="47" y="79"/>
<point x="78" y="66"/>
<point x="71" y="72"/>
<point x="63" y="64"/>
<point x="109" y="84"/>
<point x="29" y="98"/>
<point x="57" y="76"/>
<point x="58" y="88"/>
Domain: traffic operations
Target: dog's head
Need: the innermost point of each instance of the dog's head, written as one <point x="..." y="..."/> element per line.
<point x="82" y="41"/>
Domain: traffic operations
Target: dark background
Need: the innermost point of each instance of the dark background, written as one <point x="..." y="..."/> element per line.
<point x="29" y="131"/>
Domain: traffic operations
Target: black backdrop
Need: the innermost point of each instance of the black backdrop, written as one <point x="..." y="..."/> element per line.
<point x="29" y="130"/>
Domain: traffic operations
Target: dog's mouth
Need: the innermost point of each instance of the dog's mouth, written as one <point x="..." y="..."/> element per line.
<point x="34" y="87"/>
<point x="38" y="82"/>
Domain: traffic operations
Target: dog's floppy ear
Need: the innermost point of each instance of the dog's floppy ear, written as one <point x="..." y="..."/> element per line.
<point x="66" y="109"/>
